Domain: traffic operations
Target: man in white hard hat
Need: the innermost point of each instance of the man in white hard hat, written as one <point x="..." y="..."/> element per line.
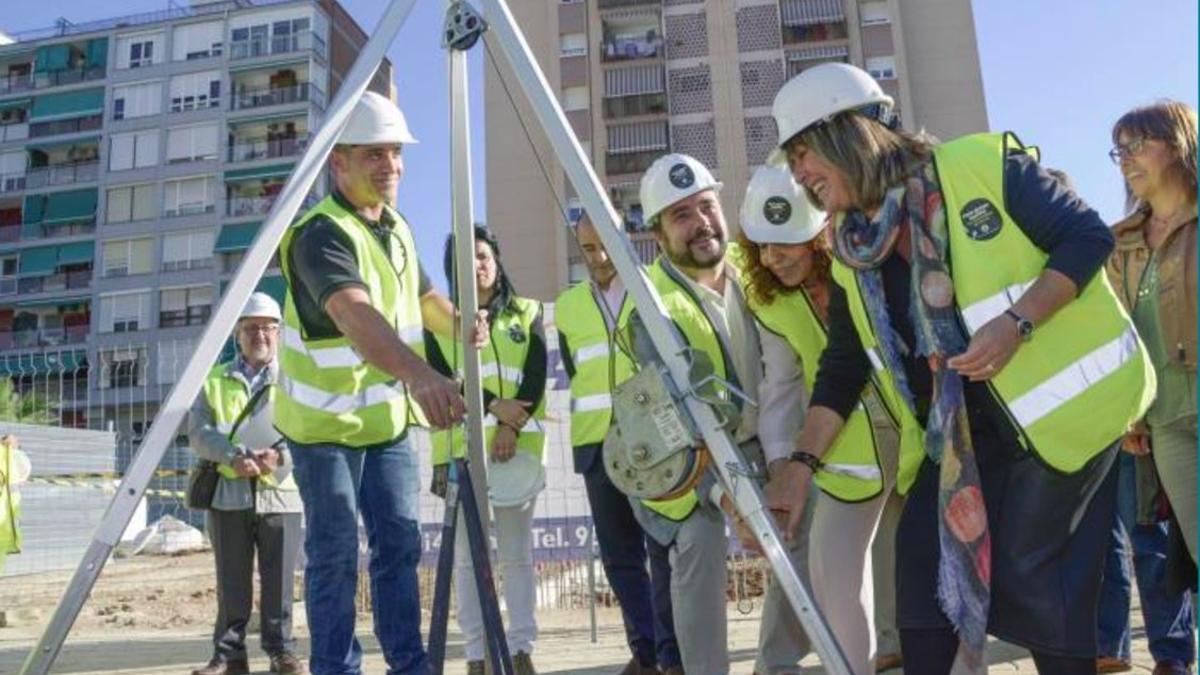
<point x="354" y="381"/>
<point x="256" y="506"/>
<point x="699" y="289"/>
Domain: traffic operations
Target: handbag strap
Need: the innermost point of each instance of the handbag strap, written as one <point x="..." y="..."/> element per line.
<point x="248" y="409"/>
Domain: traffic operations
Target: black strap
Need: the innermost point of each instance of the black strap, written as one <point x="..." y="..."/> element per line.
<point x="249" y="408"/>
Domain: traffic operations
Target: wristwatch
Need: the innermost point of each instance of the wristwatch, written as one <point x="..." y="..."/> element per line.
<point x="1024" y="326"/>
<point x="808" y="459"/>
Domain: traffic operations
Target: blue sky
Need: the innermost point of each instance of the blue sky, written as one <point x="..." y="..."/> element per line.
<point x="1057" y="72"/>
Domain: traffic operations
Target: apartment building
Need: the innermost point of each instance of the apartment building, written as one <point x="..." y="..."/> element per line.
<point x="138" y="157"/>
<point x="640" y="78"/>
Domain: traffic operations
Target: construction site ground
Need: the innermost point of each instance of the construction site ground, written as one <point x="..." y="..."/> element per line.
<point x="152" y="616"/>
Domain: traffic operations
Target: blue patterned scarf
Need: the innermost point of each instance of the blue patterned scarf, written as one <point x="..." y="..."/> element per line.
<point x="913" y="213"/>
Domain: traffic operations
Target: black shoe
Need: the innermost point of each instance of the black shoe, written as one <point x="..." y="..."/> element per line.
<point x="220" y="666"/>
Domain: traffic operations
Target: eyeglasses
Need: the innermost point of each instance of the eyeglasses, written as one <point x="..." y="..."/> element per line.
<point x="268" y="329"/>
<point x="1130" y="149"/>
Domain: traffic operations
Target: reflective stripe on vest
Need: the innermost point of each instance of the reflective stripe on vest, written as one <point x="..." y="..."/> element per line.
<point x="327" y="392"/>
<point x="227" y="395"/>
<point x="599" y="363"/>
<point x="852" y="470"/>
<point x="1084" y="377"/>
<point x="502" y="369"/>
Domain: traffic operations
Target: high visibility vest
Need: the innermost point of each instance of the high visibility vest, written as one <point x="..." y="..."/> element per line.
<point x="792" y="317"/>
<point x="10" y="504"/>
<point x="600" y="364"/>
<point x="328" y="393"/>
<point x="685" y="311"/>
<point x="227" y="396"/>
<point x="502" y="364"/>
<point x="1083" y="379"/>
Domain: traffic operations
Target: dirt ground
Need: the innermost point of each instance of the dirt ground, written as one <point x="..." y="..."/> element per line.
<point x="151" y="616"/>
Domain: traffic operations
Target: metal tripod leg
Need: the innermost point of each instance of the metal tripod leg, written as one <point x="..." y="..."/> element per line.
<point x="175" y="406"/>
<point x="744" y="492"/>
<point x="460" y="494"/>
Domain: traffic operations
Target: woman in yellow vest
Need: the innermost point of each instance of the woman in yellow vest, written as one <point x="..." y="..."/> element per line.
<point x="14" y="470"/>
<point x="513" y="370"/>
<point x="786" y="280"/>
<point x="968" y="281"/>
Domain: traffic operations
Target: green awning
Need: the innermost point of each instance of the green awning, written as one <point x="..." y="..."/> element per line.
<point x="77" y="252"/>
<point x="34" y="209"/>
<point x="38" y="262"/>
<point x="97" y="52"/>
<point x="64" y="207"/>
<point x="236" y="237"/>
<point x="55" y="302"/>
<point x="15" y="103"/>
<point x="52" y="57"/>
<point x="260" y="172"/>
<point x="47" y="144"/>
<point x="68" y="104"/>
<point x="42" y="364"/>
<point x="276" y="287"/>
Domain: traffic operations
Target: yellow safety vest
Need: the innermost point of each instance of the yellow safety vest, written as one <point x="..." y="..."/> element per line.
<point x="227" y="396"/>
<point x="10" y="504"/>
<point x="1082" y="380"/>
<point x="328" y="393"/>
<point x="600" y="364"/>
<point x="502" y="365"/>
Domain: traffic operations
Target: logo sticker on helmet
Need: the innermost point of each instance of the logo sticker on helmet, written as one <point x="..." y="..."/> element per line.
<point x="981" y="219"/>
<point x="777" y="210"/>
<point x="681" y="176"/>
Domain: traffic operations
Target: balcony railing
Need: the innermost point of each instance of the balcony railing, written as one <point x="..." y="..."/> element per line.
<point x="14" y="132"/>
<point x="623" y="49"/>
<point x="8" y="285"/>
<point x="249" y="206"/>
<point x="11" y="82"/>
<point x="188" y="209"/>
<point x="62" y="174"/>
<point x="43" y="337"/>
<point x="12" y="182"/>
<point x="188" y="264"/>
<point x="54" y="78"/>
<point x="638" y="104"/>
<point x="89" y="123"/>
<point x="60" y="281"/>
<point x="257" y="98"/>
<point x="278" y="44"/>
<point x="9" y="234"/>
<point x="606" y="4"/>
<point x="265" y="147"/>
<point x="192" y="316"/>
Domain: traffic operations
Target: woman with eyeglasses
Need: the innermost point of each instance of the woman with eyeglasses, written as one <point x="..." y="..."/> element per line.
<point x="968" y="282"/>
<point x="513" y="371"/>
<point x="1154" y="272"/>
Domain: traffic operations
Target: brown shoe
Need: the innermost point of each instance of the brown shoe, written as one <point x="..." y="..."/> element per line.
<point x="634" y="667"/>
<point x="523" y="664"/>
<point x="887" y="662"/>
<point x="286" y="663"/>
<point x="1112" y="664"/>
<point x="1172" y="668"/>
<point x="219" y="666"/>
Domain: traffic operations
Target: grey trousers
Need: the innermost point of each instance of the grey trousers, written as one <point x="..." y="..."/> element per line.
<point x="782" y="641"/>
<point x="235" y="536"/>
<point x="698" y="581"/>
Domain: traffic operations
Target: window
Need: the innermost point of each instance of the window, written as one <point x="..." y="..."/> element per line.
<point x="130" y="203"/>
<point x="874" y="12"/>
<point x="573" y="44"/>
<point x="192" y="143"/>
<point x="882" y="67"/>
<point x="195" y="91"/>
<point x="249" y="41"/>
<point x="285" y="35"/>
<point x="122" y="257"/>
<point x="137" y="100"/>
<point x="140" y="51"/>
<point x="185" y="306"/>
<point x="575" y="98"/>
<point x="125" y="312"/>
<point x="188" y="250"/>
<point x="133" y="150"/>
<point x="124" y="367"/>
<point x="173" y="357"/>
<point x="189" y="195"/>
<point x="196" y="41"/>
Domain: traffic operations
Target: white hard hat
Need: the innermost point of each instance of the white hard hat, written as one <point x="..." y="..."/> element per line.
<point x="262" y="306"/>
<point x="821" y="92"/>
<point x="671" y="178"/>
<point x="777" y="211"/>
<point x="376" y="120"/>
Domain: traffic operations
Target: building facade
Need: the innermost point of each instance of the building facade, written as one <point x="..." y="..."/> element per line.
<point x="640" y="78"/>
<point x="138" y="157"/>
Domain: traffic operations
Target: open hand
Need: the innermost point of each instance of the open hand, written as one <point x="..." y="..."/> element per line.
<point x="991" y="348"/>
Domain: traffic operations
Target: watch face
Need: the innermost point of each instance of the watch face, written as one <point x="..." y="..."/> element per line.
<point x="1025" y="328"/>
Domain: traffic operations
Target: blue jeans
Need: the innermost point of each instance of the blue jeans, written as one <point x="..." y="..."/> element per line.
<point x="1169" y="619"/>
<point x="337" y="483"/>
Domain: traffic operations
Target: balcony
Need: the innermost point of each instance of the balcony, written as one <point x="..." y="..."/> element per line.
<point x="629" y="48"/>
<point x="12" y="182"/>
<point x="55" y="78"/>
<point x="57" y="127"/>
<point x="277" y="44"/>
<point x="266" y="147"/>
<point x="248" y="206"/>
<point x="43" y="337"/>
<point x="62" y="174"/>
<point x="14" y="82"/>
<point x="258" y="98"/>
<point x="14" y="132"/>
<point x="187" y="264"/>
<point x="609" y="4"/>
<point x="190" y="209"/>
<point x="60" y="281"/>
<point x="8" y="285"/>
<point x="9" y="234"/>
<point x="631" y="106"/>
